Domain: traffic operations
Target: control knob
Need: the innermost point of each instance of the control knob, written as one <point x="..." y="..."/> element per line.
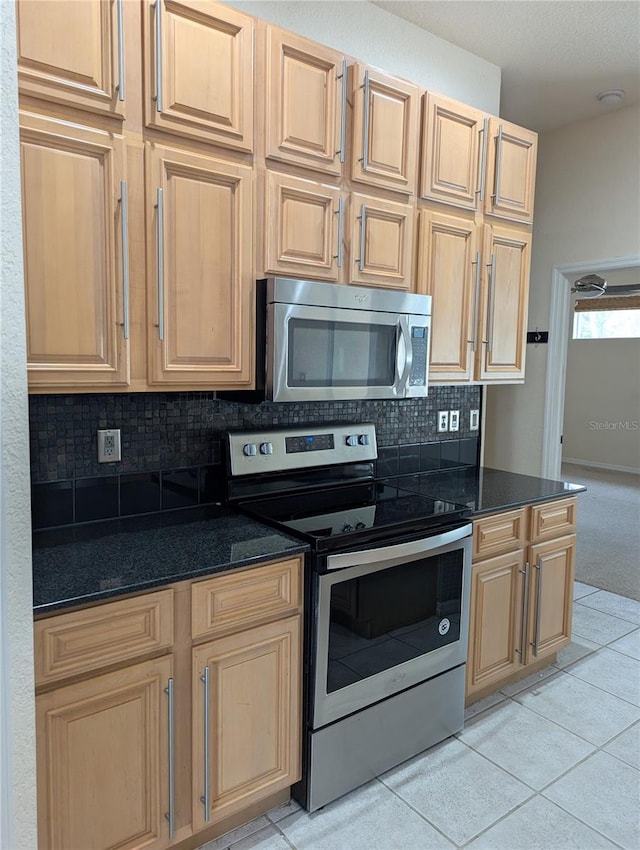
<point x="360" y="525"/>
<point x="348" y="527"/>
<point x="266" y="448"/>
<point x="249" y="450"/>
<point x="363" y="439"/>
<point x="352" y="440"/>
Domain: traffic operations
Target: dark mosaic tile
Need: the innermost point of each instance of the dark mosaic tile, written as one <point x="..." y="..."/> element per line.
<point x="96" y="498"/>
<point x="139" y="493"/>
<point x="52" y="504"/>
<point x="180" y="488"/>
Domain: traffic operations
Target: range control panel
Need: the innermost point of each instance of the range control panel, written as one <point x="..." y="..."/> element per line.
<point x="252" y="452"/>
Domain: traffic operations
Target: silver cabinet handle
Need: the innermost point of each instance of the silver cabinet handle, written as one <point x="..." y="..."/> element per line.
<point x="536" y="644"/>
<point x="170" y="815"/>
<point x="496" y="193"/>
<point x="205" y="799"/>
<point x="363" y="225"/>
<point x="120" y="86"/>
<point x="492" y="274"/>
<point x="483" y="159"/>
<point x="343" y="111"/>
<point x="158" y="96"/>
<point x="525" y="607"/>
<point x="124" y="221"/>
<point x="476" y="299"/>
<point x="364" y="159"/>
<point x="340" y="213"/>
<point x="160" y="259"/>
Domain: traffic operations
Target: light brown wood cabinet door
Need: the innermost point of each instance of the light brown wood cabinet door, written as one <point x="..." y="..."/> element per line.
<point x="385" y="130"/>
<point x="304" y="222"/>
<point x="199" y="62"/>
<point x="252" y="717"/>
<point x="504" y="304"/>
<point x="449" y="271"/>
<point x="72" y="52"/>
<point x="381" y="242"/>
<point x="200" y="263"/>
<point x="304" y="109"/>
<point x="73" y="254"/>
<point x="495" y="625"/>
<point x="102" y="756"/>
<point x="453" y="144"/>
<point x="550" y="596"/>
<point x="511" y="171"/>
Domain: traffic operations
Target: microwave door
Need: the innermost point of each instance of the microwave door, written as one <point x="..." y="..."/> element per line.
<point x="321" y="353"/>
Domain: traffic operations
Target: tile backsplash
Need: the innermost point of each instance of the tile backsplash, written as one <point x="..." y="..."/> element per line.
<point x="172" y="449"/>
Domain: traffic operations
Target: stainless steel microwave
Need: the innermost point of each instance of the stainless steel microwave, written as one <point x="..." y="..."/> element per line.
<point x="325" y="342"/>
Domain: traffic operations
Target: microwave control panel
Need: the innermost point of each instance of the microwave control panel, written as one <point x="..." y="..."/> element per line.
<point x="419" y="351"/>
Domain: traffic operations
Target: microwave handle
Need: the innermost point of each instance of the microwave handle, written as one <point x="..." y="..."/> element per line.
<point x="404" y="355"/>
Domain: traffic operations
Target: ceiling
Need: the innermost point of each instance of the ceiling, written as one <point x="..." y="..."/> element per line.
<point x="555" y="55"/>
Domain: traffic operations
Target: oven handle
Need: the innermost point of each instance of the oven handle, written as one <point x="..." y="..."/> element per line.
<point x="398" y="550"/>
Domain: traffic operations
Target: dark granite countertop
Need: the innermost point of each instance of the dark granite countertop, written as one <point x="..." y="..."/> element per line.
<point x="89" y="563"/>
<point x="486" y="490"/>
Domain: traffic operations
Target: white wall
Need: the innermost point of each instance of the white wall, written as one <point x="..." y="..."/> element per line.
<point x="587" y="209"/>
<point x="17" y="733"/>
<point x="381" y="39"/>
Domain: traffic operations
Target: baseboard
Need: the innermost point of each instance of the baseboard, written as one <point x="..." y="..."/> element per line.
<point x="578" y="462"/>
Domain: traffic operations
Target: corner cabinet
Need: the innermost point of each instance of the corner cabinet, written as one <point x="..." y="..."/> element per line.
<point x="200" y="262"/>
<point x="521" y="593"/>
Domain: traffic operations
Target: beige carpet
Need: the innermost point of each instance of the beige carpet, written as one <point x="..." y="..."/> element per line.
<point x="608" y="554"/>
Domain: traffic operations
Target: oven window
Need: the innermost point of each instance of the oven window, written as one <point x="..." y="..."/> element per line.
<point x="382" y="619"/>
<point x="340" y="354"/>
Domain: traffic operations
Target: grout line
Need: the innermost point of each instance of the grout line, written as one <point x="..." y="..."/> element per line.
<point x="607" y="614"/>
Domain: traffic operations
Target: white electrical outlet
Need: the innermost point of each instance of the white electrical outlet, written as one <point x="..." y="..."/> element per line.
<point x="443" y="420"/>
<point x="474" y="420"/>
<point x="454" y="420"/>
<point x="109" y="446"/>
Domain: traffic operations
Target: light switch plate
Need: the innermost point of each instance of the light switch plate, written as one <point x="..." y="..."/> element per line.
<point x="109" y="446"/>
<point x="474" y="420"/>
<point x="454" y="420"/>
<point x="443" y="421"/>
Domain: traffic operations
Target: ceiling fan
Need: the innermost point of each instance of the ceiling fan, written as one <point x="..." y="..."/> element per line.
<point x="592" y="285"/>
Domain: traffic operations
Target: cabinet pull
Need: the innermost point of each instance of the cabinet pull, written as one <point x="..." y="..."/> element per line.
<point x="343" y="111"/>
<point x="536" y="644"/>
<point x="492" y="274"/>
<point x="170" y="815"/>
<point x="205" y="799"/>
<point x="160" y="259"/>
<point x="364" y="159"/>
<point x="476" y="263"/>
<point x="124" y="221"/>
<point x="363" y="224"/>
<point x="496" y="194"/>
<point x="158" y="95"/>
<point x="120" y="86"/>
<point x="483" y="159"/>
<point x="525" y="606"/>
<point x="340" y="213"/>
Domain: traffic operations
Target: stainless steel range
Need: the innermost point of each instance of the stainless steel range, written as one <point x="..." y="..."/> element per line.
<point x="387" y="599"/>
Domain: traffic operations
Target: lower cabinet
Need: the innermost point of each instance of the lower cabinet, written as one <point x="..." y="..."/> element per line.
<point x="151" y="753"/>
<point x="521" y="593"/>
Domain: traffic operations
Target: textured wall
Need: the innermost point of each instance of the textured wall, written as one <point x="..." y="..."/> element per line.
<point x="17" y="727"/>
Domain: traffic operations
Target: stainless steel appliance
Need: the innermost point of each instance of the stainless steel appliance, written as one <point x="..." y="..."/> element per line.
<point x="387" y="599"/>
<point x="328" y="342"/>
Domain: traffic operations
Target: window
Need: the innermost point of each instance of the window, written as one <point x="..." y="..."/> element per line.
<point x="607" y="318"/>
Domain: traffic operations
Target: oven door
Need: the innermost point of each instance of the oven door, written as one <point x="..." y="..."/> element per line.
<point x="328" y="353"/>
<point x="389" y="618"/>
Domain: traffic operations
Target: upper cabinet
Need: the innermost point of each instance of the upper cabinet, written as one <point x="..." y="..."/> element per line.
<point x="305" y="103"/>
<point x="510" y="171"/>
<point x="381" y="242"/>
<point x="74" y="207"/>
<point x="199" y="71"/>
<point x="72" y="53"/>
<point x="385" y="130"/>
<point x="453" y="149"/>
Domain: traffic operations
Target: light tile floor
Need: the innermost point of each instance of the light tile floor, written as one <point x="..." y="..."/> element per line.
<point x="550" y="763"/>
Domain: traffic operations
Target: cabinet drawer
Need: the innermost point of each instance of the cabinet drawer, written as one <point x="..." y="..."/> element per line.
<point x="238" y="600"/>
<point x="553" y="519"/>
<point x="81" y="642"/>
<point x="499" y="533"/>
